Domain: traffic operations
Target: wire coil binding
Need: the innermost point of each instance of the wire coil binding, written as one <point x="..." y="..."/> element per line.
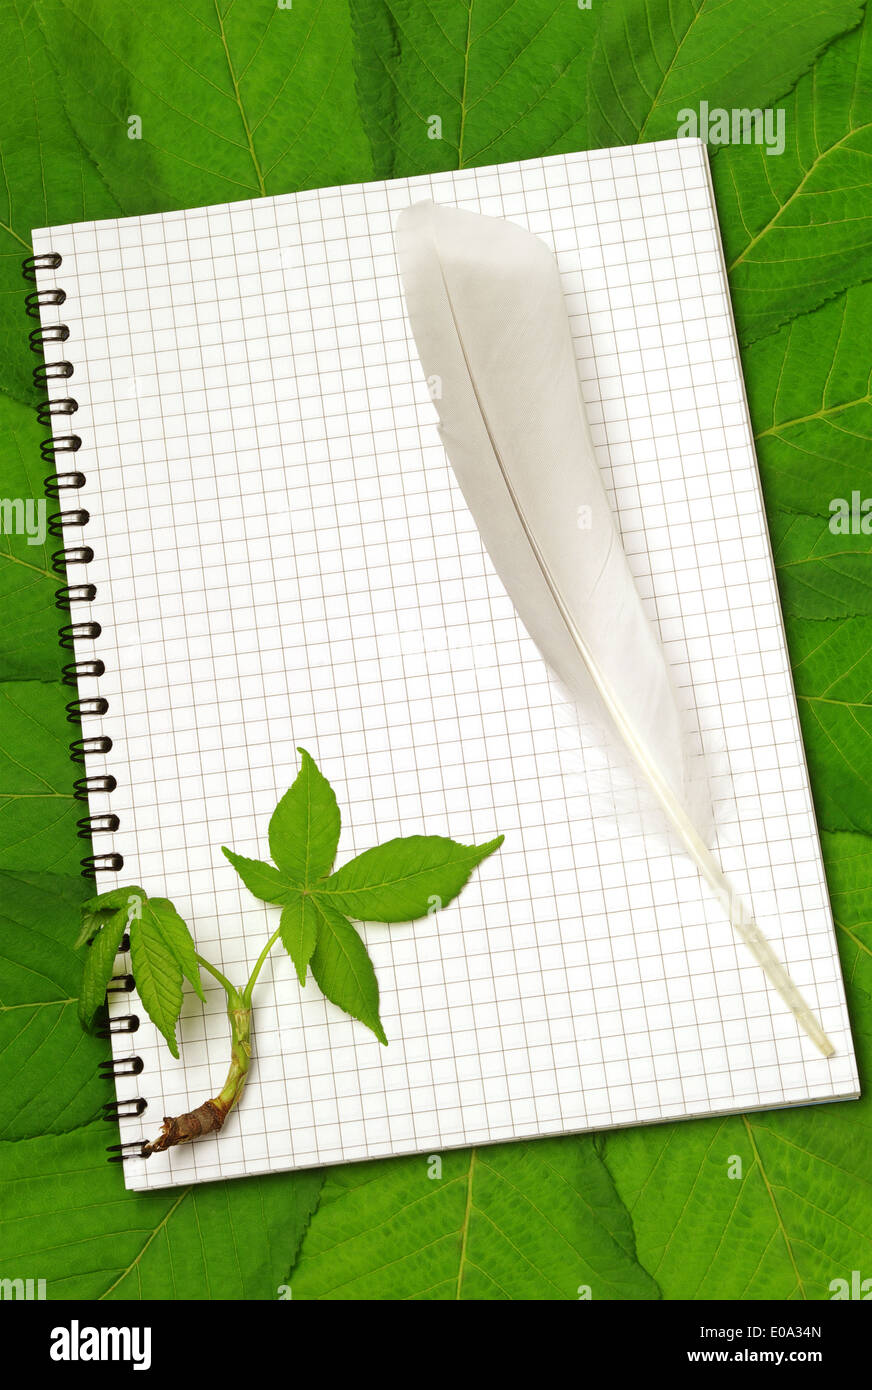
<point x="134" y="1148"/>
<point x="120" y="1066"/>
<point x="59" y="486"/>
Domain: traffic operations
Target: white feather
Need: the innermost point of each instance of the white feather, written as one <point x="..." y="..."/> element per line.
<point x="489" y="318"/>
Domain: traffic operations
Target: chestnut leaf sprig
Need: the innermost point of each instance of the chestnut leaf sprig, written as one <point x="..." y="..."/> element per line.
<point x="398" y="881"/>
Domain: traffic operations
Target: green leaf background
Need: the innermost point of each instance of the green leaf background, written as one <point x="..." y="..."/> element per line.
<point x="239" y="99"/>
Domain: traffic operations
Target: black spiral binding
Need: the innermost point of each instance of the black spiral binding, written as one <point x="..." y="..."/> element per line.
<point x="59" y="486"/>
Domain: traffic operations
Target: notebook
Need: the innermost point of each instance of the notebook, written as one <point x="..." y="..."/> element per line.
<point x="282" y="558"/>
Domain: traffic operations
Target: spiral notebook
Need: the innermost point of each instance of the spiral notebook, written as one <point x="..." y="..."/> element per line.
<point x="267" y="549"/>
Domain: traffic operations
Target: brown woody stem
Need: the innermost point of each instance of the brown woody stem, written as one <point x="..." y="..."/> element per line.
<point x="210" y="1116"/>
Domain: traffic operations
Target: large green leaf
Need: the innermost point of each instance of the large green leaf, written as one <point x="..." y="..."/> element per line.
<point x="47" y="178"/>
<point x="64" y="1212"/>
<point x="820" y="575"/>
<point x="798" y="1213"/>
<point x="504" y="80"/>
<point x="513" y="78"/>
<point x="516" y="1221"/>
<point x="848" y="860"/>
<point x="48" y="1066"/>
<point x="832" y="671"/>
<point x="37" y="810"/>
<point x="655" y="58"/>
<point x="809" y="389"/>
<point x="235" y="100"/>
<point x="29" y="630"/>
<point x="798" y="226"/>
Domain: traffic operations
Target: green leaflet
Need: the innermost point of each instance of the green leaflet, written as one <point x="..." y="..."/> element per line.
<point x="62" y="1203"/>
<point x="263" y="880"/>
<point x="504" y="81"/>
<point x="343" y="970"/>
<point x="98" y="911"/>
<point x="299" y="931"/>
<point x="162" y="953"/>
<point x="99" y="964"/>
<point x="48" y="1066"/>
<point x="235" y="100"/>
<point x="809" y="390"/>
<point x="304" y="829"/>
<point x="174" y="933"/>
<point x="113" y="900"/>
<point x="37" y="811"/>
<point x="797" y="226"/>
<point x="404" y="879"/>
<point x="514" y="1221"/>
<point x="158" y="976"/>
<point x="654" y="58"/>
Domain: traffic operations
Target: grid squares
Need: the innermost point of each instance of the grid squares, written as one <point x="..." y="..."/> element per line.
<point x="282" y="558"/>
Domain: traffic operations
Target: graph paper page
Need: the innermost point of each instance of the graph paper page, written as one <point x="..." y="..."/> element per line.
<point x="283" y="559"/>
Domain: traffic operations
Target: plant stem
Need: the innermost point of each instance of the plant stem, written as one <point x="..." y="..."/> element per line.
<point x="259" y="964"/>
<point x="210" y="1116"/>
<point x="228" y="988"/>
<point x="240" y="1054"/>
